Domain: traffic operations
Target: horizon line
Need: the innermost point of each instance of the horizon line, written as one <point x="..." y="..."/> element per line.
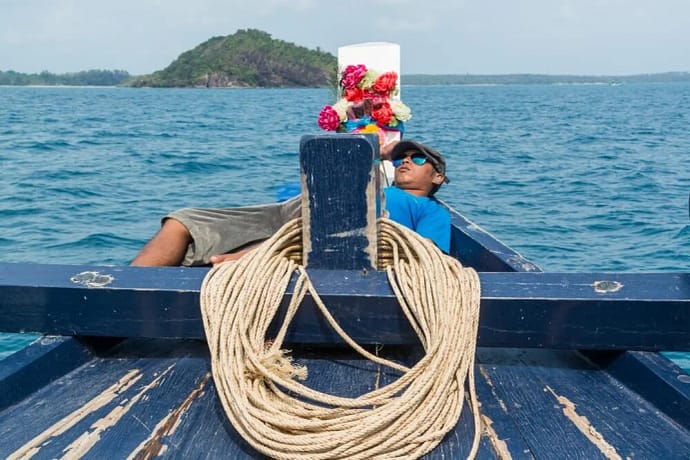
<point x="445" y="74"/>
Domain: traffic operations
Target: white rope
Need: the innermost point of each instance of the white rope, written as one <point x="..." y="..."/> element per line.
<point x="404" y="419"/>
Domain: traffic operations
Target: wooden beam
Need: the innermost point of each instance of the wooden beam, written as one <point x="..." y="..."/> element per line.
<point x="609" y="311"/>
<point x="340" y="200"/>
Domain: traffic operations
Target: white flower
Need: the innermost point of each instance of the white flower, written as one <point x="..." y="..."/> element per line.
<point x="400" y="110"/>
<point x="341" y="108"/>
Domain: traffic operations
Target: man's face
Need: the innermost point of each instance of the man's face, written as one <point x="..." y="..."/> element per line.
<point x="413" y="177"/>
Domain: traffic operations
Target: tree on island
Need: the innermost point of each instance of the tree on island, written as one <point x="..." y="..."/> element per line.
<point x="247" y="58"/>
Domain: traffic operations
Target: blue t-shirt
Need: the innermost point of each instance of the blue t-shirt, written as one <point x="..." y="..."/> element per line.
<point x="422" y="214"/>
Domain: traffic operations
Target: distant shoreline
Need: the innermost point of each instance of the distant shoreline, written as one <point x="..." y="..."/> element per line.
<point x="443" y="80"/>
<point x="508" y="79"/>
<point x="60" y="86"/>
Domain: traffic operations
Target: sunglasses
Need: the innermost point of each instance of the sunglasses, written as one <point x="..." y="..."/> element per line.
<point x="417" y="158"/>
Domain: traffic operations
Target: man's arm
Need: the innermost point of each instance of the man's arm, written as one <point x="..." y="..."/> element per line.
<point x="166" y="248"/>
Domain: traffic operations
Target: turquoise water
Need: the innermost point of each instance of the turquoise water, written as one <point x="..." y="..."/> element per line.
<point x="9" y="343"/>
<point x="574" y="177"/>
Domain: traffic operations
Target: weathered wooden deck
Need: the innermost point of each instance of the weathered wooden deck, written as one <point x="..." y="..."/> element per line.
<point x="148" y="397"/>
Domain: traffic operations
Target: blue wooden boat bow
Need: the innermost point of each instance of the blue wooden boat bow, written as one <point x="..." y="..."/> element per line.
<point x="566" y="364"/>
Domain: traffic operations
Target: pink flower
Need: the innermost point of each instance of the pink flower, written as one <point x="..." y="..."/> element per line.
<point x="385" y="82"/>
<point x="352" y="75"/>
<point x="329" y="120"/>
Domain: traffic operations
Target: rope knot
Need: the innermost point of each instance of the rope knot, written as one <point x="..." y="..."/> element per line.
<point x="277" y="363"/>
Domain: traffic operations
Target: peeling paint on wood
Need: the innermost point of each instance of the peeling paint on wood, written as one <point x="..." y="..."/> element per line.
<point x="585" y="427"/>
<point x="606" y="287"/>
<point x="88" y="439"/>
<point x="152" y="446"/>
<point x="485" y="374"/>
<point x="92" y="279"/>
<point x="524" y="265"/>
<point x="499" y="445"/>
<point x="32" y="447"/>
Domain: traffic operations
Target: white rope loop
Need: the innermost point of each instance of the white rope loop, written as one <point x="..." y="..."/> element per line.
<point x="404" y="419"/>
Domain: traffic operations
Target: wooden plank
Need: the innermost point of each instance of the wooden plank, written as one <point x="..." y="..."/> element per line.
<point x="112" y="406"/>
<point x="608" y="311"/>
<point x="205" y="428"/>
<point x="654" y="378"/>
<point x="38" y="364"/>
<point x="339" y="210"/>
<point x="536" y="415"/>
<point x="500" y="429"/>
<point x="563" y="405"/>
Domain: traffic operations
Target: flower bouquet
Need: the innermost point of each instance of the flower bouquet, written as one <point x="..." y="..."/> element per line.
<point x="367" y="103"/>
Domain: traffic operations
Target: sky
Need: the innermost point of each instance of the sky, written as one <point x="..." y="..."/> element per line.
<point x="582" y="37"/>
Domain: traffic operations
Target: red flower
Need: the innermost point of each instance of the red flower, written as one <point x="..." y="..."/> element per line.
<point x="385" y="82"/>
<point x="383" y="114"/>
<point x="354" y="94"/>
<point x="376" y="99"/>
<point x="367" y="94"/>
<point x="329" y="120"/>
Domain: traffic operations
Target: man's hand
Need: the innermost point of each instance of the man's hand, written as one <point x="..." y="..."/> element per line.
<point x="215" y="260"/>
<point x="220" y="258"/>
<point x="387" y="149"/>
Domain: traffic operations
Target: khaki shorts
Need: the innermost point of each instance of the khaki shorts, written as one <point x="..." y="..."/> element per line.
<point x="219" y="231"/>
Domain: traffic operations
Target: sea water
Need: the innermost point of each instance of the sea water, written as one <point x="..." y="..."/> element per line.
<point x="584" y="178"/>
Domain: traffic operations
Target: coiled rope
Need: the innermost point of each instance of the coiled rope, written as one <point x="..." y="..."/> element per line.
<point x="404" y="419"/>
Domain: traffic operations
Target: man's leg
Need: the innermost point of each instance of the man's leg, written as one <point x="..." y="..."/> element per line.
<point x="166" y="248"/>
<point x="192" y="236"/>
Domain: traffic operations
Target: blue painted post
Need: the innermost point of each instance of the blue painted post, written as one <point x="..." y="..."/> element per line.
<point x="340" y="200"/>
